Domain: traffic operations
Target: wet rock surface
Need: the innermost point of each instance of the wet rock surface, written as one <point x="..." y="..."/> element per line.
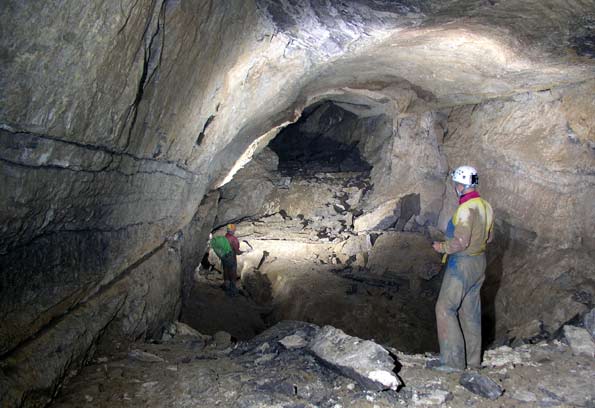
<point x="263" y="373"/>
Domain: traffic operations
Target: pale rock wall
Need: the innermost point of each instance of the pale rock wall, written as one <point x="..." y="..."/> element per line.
<point x="250" y="193"/>
<point x="536" y="161"/>
<point x="412" y="162"/>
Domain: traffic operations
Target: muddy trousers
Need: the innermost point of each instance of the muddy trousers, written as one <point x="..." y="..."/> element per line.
<point x="230" y="267"/>
<point x="458" y="311"/>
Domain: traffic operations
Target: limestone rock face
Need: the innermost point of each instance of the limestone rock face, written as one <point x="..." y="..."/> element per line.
<point x="391" y="256"/>
<point x="249" y="193"/>
<point x="535" y="164"/>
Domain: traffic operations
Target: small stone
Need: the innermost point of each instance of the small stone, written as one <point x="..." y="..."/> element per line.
<point x="182" y="329"/>
<point x="88" y="398"/>
<point x="262" y="348"/>
<point x="150" y="384"/>
<point x="431" y="397"/>
<point x="144" y="357"/>
<point x="102" y="360"/>
<point x="580" y="341"/>
<point x="523" y="396"/>
<point x="264" y="358"/>
<point x="293" y="342"/>
<point x="481" y="385"/>
<point x="172" y="368"/>
<point x="222" y="340"/>
<point x="502" y="357"/>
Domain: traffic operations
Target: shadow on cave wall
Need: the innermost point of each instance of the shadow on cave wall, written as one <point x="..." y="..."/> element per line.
<point x="491" y="286"/>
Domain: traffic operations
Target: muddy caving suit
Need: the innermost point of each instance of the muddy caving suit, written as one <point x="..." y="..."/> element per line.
<point x="227" y="253"/>
<point x="458" y="310"/>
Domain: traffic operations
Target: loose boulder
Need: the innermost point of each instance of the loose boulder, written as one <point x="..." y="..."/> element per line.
<point x="362" y="360"/>
<point x="580" y="341"/>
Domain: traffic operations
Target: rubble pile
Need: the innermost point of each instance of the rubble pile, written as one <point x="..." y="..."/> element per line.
<point x="301" y="364"/>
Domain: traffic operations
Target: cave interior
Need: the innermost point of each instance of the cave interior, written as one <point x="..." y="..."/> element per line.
<point x="327" y="133"/>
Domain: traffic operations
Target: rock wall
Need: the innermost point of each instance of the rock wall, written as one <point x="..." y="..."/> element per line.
<point x="136" y="305"/>
<point x="102" y="105"/>
<point x="536" y="160"/>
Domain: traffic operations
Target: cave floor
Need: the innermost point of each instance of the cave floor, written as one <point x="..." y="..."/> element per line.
<point x="194" y="370"/>
<point x="303" y="281"/>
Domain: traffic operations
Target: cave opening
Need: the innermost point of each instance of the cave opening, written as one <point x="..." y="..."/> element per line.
<point x="311" y="252"/>
<point x="324" y="140"/>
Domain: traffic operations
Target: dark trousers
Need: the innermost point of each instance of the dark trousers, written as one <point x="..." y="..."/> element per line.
<point x="458" y="311"/>
<point x="230" y="271"/>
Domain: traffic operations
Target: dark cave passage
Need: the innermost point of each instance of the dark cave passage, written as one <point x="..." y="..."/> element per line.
<point x="324" y="140"/>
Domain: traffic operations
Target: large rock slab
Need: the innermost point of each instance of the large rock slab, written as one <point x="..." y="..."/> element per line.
<point x="380" y="218"/>
<point x="589" y="322"/>
<point x="363" y="360"/>
<point x="249" y="193"/>
<point x="580" y="341"/>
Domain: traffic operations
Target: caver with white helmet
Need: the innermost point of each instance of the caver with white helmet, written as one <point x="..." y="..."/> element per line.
<point x="458" y="308"/>
<point x="466" y="175"/>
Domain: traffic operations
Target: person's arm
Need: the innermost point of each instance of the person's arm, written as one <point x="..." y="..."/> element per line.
<point x="235" y="245"/>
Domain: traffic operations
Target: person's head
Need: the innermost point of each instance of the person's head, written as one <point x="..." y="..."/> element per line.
<point x="231" y="229"/>
<point x="465" y="179"/>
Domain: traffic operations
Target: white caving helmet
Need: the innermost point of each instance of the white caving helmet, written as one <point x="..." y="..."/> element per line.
<point x="466" y="175"/>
